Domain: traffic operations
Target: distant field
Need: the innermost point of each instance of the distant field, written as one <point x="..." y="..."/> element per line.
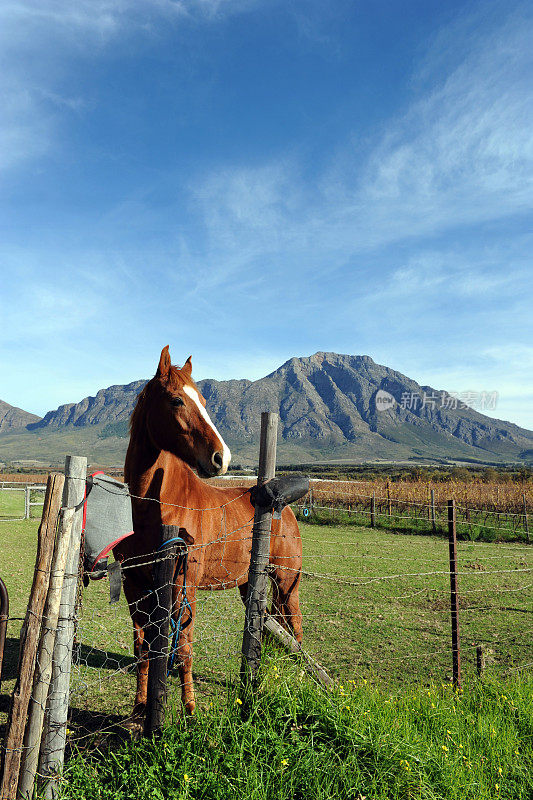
<point x="375" y="605"/>
<point x="12" y="503"/>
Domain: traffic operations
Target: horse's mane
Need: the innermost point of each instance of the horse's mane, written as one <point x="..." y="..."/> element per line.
<point x="137" y="416"/>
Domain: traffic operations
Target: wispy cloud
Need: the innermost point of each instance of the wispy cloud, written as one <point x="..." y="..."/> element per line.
<point x="40" y="40"/>
<point x="461" y="154"/>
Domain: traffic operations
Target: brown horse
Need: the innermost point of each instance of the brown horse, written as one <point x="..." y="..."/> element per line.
<point x="171" y="435"/>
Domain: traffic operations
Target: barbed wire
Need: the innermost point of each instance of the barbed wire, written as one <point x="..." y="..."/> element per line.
<point x="96" y="665"/>
<point x="403" y="516"/>
<point x="440" y="504"/>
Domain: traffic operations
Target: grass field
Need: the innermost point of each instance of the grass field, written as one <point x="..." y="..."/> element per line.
<point x="375" y="606"/>
<point x="376" y="616"/>
<point x="12" y="503"/>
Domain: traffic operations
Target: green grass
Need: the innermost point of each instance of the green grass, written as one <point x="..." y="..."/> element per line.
<point x="12" y="503"/>
<point x="375" y="606"/>
<point x="376" y="616"/>
<point x="301" y="743"/>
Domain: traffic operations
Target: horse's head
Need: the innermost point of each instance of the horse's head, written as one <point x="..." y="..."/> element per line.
<point x="177" y="420"/>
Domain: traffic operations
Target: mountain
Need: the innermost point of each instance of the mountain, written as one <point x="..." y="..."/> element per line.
<point x="327" y="404"/>
<point x="331" y="406"/>
<point x="110" y="405"/>
<point x="12" y="418"/>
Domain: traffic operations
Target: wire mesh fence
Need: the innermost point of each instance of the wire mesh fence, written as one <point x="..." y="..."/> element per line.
<point x="413" y="516"/>
<point x="371" y="609"/>
<point x="374" y="605"/>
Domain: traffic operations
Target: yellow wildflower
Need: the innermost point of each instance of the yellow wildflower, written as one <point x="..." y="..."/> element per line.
<point x="238" y="701"/>
<point x="186" y="778"/>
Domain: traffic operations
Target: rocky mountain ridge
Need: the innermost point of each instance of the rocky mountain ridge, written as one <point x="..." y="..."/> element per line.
<point x="13" y="418"/>
<point x="330" y="405"/>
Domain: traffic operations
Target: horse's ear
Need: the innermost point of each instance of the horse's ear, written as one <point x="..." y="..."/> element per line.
<point x="187" y="367"/>
<point x="163" y="370"/>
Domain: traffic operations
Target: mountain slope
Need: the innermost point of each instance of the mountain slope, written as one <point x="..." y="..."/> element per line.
<point x="109" y="405"/>
<point x="12" y="418"/>
<point x="328" y="409"/>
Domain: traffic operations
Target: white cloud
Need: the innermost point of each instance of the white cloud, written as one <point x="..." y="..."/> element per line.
<point x="40" y="40"/>
<point x="460" y="155"/>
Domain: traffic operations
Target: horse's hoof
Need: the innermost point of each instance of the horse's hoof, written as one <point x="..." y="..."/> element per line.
<point x="135" y="722"/>
<point x="134" y="726"/>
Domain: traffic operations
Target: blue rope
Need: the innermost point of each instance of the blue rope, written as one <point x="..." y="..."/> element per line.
<point x="171" y="541"/>
<point x="177" y="626"/>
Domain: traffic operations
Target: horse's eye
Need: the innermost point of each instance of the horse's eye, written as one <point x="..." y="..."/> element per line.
<point x="177" y="402"/>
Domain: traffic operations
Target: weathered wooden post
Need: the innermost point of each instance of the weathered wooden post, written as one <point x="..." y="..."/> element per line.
<point x="454" y="605"/>
<point x="480" y="660"/>
<point x="43" y="671"/>
<point x="29" y="639"/>
<point x="256" y="599"/>
<point x="158" y="629"/>
<point x="4" y="616"/>
<point x="526" y="524"/>
<point x="433" y="515"/>
<point x="373" y="511"/>
<point x="55" y="723"/>
<point x="389" y="504"/>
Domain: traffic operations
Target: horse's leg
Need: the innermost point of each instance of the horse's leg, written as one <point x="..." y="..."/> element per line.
<point x="184" y="647"/>
<point x="140" y="616"/>
<point x="243" y="590"/>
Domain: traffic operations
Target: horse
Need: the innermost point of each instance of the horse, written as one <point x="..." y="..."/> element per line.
<point x="173" y="447"/>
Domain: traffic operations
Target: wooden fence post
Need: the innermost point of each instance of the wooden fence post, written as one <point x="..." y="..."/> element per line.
<point x="29" y="639"/>
<point x="480" y="660"/>
<point x="257" y="576"/>
<point x="158" y="629"/>
<point x="433" y="515"/>
<point x="373" y="511"/>
<point x="389" y="504"/>
<point x="4" y="616"/>
<point x="43" y="671"/>
<point x="525" y="517"/>
<point x="452" y="542"/>
<point x="55" y="723"/>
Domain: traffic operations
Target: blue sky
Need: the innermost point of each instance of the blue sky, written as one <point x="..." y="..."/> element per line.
<point x="249" y="180"/>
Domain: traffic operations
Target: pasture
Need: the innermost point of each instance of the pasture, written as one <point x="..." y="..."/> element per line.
<point x="376" y="616"/>
<point x="375" y="606"/>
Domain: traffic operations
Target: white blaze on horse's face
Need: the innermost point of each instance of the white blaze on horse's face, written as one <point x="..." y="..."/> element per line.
<point x="226" y="455"/>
